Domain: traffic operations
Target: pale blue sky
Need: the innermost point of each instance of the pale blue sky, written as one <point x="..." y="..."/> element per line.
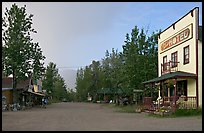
<point x="72" y="34"/>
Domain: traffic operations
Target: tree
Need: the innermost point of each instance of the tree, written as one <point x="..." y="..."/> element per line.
<point x="20" y="55"/>
<point x="139" y="58"/>
<point x="124" y="70"/>
<point x="50" y="77"/>
<point x="59" y="91"/>
<point x="88" y="81"/>
<point x="54" y="83"/>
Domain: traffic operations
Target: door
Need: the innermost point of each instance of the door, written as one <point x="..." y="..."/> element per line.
<point x="182" y="88"/>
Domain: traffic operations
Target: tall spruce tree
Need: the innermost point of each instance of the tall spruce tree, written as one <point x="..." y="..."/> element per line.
<point x="20" y="55"/>
<point x="124" y="70"/>
<point x="50" y="78"/>
<point x="140" y="58"/>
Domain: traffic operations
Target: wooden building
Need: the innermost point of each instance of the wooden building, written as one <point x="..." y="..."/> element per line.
<point x="180" y="63"/>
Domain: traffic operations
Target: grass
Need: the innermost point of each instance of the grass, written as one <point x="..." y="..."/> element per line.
<point x="188" y="112"/>
<point x="128" y="108"/>
<point x="53" y="101"/>
<point x="178" y="113"/>
<point x="182" y="113"/>
<point x="120" y="108"/>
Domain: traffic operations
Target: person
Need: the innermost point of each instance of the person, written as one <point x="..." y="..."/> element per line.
<point x="43" y="102"/>
<point x="46" y="101"/>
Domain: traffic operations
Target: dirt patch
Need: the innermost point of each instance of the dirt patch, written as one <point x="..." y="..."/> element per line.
<point x="70" y="116"/>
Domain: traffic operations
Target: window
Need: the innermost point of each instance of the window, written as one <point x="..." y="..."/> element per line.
<point x="182" y="88"/>
<point x="174" y="59"/>
<point x="186" y="54"/>
<point x="165" y="63"/>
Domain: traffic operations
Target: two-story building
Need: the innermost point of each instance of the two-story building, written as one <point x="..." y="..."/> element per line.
<point x="180" y="63"/>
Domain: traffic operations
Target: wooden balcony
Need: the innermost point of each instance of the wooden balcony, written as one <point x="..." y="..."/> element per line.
<point x="169" y="67"/>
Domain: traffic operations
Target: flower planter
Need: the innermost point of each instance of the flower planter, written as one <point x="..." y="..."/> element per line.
<point x="162" y="113"/>
<point x="138" y="110"/>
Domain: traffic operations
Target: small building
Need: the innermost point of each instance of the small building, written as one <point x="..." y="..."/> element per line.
<point x="111" y="94"/>
<point x="24" y="92"/>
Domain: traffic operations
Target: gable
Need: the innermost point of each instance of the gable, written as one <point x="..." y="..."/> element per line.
<point x="7" y="82"/>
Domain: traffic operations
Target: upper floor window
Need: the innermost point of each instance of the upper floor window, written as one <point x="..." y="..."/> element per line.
<point x="174" y="59"/>
<point x="165" y="63"/>
<point x="186" y="54"/>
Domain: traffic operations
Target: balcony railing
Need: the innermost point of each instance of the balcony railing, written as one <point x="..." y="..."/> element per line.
<point x="169" y="67"/>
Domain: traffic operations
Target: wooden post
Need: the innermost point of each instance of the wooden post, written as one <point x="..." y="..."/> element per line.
<point x="175" y="89"/>
<point x="161" y="68"/>
<point x="144" y="90"/>
<point x="151" y="89"/>
<point x="162" y="87"/>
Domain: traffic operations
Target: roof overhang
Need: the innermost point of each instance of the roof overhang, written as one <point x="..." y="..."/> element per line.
<point x="171" y="75"/>
<point x="5" y="89"/>
<point x="36" y="93"/>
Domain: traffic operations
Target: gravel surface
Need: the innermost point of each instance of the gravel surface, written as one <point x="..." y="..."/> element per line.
<point x="71" y="116"/>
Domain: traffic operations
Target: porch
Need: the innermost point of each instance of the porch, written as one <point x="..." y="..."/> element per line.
<point x="174" y="92"/>
<point x="173" y="103"/>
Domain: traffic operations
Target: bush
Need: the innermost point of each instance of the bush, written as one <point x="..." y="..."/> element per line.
<point x="188" y="112"/>
<point x="182" y="113"/>
<point x="121" y="108"/>
<point x="54" y="100"/>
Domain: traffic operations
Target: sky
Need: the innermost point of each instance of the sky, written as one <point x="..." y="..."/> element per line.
<point x="73" y="34"/>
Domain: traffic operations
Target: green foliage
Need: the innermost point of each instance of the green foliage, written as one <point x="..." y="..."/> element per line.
<point x="140" y="58"/>
<point x="122" y="109"/>
<point x="59" y="91"/>
<point x="128" y="109"/>
<point x="124" y="70"/>
<point x="88" y="81"/>
<point x="54" y="100"/>
<point x="71" y="96"/>
<point x="54" y="83"/>
<point x="20" y="55"/>
<point x="49" y="77"/>
<point x="181" y="113"/>
<point x="187" y="112"/>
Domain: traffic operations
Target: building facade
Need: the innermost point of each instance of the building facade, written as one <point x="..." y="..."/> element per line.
<point x="180" y="61"/>
<point x="25" y="93"/>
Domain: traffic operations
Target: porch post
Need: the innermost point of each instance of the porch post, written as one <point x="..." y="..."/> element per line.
<point x="162" y="87"/>
<point x="144" y="91"/>
<point x="151" y="89"/>
<point x="159" y="89"/>
<point x="159" y="95"/>
<point x="175" y="89"/>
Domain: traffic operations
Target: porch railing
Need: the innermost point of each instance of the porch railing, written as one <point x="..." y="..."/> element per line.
<point x="186" y="102"/>
<point x="148" y="103"/>
<point x="182" y="102"/>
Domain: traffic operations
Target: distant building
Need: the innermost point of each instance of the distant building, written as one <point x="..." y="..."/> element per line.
<point x="24" y="91"/>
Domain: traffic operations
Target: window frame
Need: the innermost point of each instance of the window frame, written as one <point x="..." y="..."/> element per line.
<point x="175" y="55"/>
<point x="186" y="60"/>
<point x="165" y="63"/>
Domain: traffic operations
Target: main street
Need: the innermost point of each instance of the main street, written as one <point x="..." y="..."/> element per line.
<point x="71" y="116"/>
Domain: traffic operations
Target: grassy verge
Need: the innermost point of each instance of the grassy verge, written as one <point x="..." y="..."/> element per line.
<point x="53" y="101"/>
<point x="178" y="113"/>
<point x="182" y="113"/>
<point x="120" y="108"/>
<point x="187" y="112"/>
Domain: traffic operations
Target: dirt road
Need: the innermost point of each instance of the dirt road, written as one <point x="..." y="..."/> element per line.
<point x="92" y="117"/>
